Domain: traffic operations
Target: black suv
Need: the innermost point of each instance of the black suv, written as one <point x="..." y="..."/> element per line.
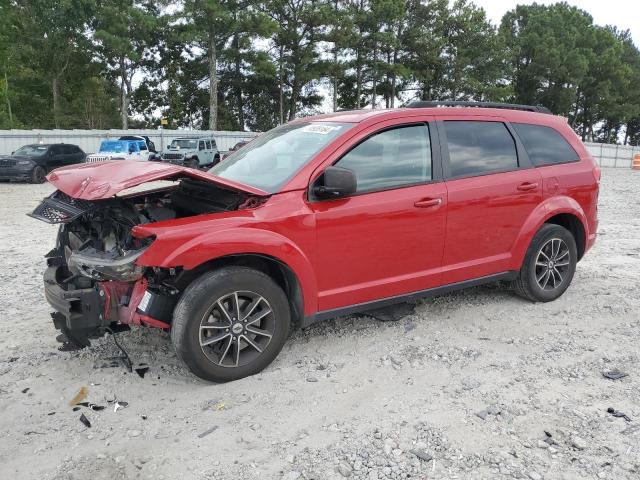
<point x="33" y="162"/>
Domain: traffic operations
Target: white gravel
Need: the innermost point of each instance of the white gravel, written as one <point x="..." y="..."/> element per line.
<point x="464" y="388"/>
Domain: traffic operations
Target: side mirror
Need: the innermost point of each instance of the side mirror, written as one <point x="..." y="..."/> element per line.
<point x="336" y="182"/>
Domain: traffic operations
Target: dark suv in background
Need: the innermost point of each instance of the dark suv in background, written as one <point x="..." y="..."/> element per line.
<point x="33" y="162"/>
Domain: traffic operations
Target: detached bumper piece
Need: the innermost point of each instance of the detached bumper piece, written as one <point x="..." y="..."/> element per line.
<point x="78" y="311"/>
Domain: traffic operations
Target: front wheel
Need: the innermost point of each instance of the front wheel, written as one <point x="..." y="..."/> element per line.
<point x="193" y="163"/>
<point x="230" y="323"/>
<point x="38" y="174"/>
<point x="549" y="264"/>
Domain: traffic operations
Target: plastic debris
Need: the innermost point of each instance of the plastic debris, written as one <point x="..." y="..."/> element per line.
<point x="141" y="371"/>
<point x="80" y="396"/>
<point x="614" y="374"/>
<point x="422" y="455"/>
<point x="618" y="414"/>
<point x="120" y="405"/>
<point x="207" y="432"/>
<point x="25" y="390"/>
<point x="85" y="421"/>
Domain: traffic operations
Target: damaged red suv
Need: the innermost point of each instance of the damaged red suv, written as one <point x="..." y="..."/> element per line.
<point x="322" y="217"/>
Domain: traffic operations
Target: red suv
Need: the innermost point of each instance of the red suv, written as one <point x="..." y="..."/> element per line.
<point x="322" y="217"/>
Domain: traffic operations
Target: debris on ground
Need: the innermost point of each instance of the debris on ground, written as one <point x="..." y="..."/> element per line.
<point x="85" y="421"/>
<point x="25" y="390"/>
<point x="422" y="455"/>
<point x="618" y="414"/>
<point x="141" y="371"/>
<point x="614" y="374"/>
<point x="80" y="396"/>
<point x="119" y="405"/>
<point x="208" y="432"/>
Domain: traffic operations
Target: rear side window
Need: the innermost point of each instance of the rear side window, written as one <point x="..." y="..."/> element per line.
<point x="544" y="145"/>
<point x="478" y="147"/>
<point x="208" y="144"/>
<point x="391" y="159"/>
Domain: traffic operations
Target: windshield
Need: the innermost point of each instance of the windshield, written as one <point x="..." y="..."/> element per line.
<point x="184" y="143"/>
<point x="274" y="157"/>
<point x="114" y="146"/>
<point x="32" y="150"/>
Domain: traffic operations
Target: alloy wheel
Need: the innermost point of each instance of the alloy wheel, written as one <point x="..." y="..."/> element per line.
<point x="552" y="264"/>
<point x="236" y="329"/>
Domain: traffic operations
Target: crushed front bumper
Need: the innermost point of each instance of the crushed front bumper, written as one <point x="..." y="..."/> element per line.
<point x="79" y="313"/>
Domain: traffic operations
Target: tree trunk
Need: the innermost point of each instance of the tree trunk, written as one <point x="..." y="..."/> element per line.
<point x="213" y="84"/>
<point x="55" y="93"/>
<point x="358" y="79"/>
<point x="335" y="78"/>
<point x="6" y="93"/>
<point x="124" y="97"/>
<point x="281" y="86"/>
<point x="238" y="87"/>
<point x="374" y="99"/>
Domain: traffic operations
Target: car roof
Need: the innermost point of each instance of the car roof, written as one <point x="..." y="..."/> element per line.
<point x="374" y="116"/>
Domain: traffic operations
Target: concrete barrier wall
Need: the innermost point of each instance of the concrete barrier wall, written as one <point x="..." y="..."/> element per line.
<point x="608" y="155"/>
<point x="89" y="140"/>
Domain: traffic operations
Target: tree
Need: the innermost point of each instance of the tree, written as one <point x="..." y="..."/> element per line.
<point x="124" y="32"/>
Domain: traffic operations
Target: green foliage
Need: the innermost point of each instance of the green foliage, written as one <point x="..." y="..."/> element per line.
<point x="253" y="64"/>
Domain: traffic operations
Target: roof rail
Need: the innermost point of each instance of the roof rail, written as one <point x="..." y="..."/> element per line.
<point x="451" y="103"/>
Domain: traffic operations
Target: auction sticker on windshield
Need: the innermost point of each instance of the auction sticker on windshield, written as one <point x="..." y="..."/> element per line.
<point x="321" y="129"/>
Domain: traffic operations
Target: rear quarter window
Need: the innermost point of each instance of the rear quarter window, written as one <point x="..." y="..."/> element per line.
<point x="545" y="145"/>
<point x="479" y="147"/>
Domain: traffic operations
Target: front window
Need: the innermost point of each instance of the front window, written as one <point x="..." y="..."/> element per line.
<point x="184" y="143"/>
<point x="32" y="150"/>
<point x="274" y="157"/>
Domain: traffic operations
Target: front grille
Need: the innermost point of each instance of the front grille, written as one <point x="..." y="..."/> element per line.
<point x="60" y="208"/>
<point x="172" y="156"/>
<point x="7" y="162"/>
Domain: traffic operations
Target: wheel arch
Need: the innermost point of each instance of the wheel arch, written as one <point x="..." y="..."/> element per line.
<point x="275" y="268"/>
<point x="560" y="210"/>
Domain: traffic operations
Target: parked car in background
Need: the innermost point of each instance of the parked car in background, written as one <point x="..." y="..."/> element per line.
<point x="235" y="148"/>
<point x="144" y="142"/>
<point x="119" y="150"/>
<point x="319" y="218"/>
<point x="33" y="162"/>
<point x="192" y="152"/>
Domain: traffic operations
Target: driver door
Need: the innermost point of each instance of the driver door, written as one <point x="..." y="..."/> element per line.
<point x="387" y="239"/>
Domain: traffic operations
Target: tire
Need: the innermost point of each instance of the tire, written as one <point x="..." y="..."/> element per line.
<point x="216" y="160"/>
<point x="38" y="175"/>
<point x="193" y="163"/>
<point x="199" y="316"/>
<point x="536" y="281"/>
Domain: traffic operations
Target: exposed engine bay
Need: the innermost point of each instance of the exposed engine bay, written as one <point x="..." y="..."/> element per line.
<point x="93" y="280"/>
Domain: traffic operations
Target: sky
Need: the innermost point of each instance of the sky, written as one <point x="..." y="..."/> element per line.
<point x="624" y="14"/>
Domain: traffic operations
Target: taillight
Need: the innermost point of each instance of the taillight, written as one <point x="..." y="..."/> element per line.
<point x="597" y="173"/>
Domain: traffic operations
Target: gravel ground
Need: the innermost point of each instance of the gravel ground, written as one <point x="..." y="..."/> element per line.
<point x="476" y="384"/>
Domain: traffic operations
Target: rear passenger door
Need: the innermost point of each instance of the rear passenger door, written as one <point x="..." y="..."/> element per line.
<point x="492" y="189"/>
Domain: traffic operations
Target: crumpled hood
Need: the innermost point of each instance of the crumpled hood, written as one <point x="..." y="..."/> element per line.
<point x="100" y="180"/>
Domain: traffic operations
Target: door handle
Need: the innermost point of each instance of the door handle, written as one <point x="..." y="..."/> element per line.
<point x="428" y="202"/>
<point x="526" y="186"/>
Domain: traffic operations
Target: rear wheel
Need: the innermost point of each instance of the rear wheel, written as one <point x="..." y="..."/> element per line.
<point x="38" y="174"/>
<point x="548" y="266"/>
<point x="230" y="323"/>
<point x="216" y="160"/>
